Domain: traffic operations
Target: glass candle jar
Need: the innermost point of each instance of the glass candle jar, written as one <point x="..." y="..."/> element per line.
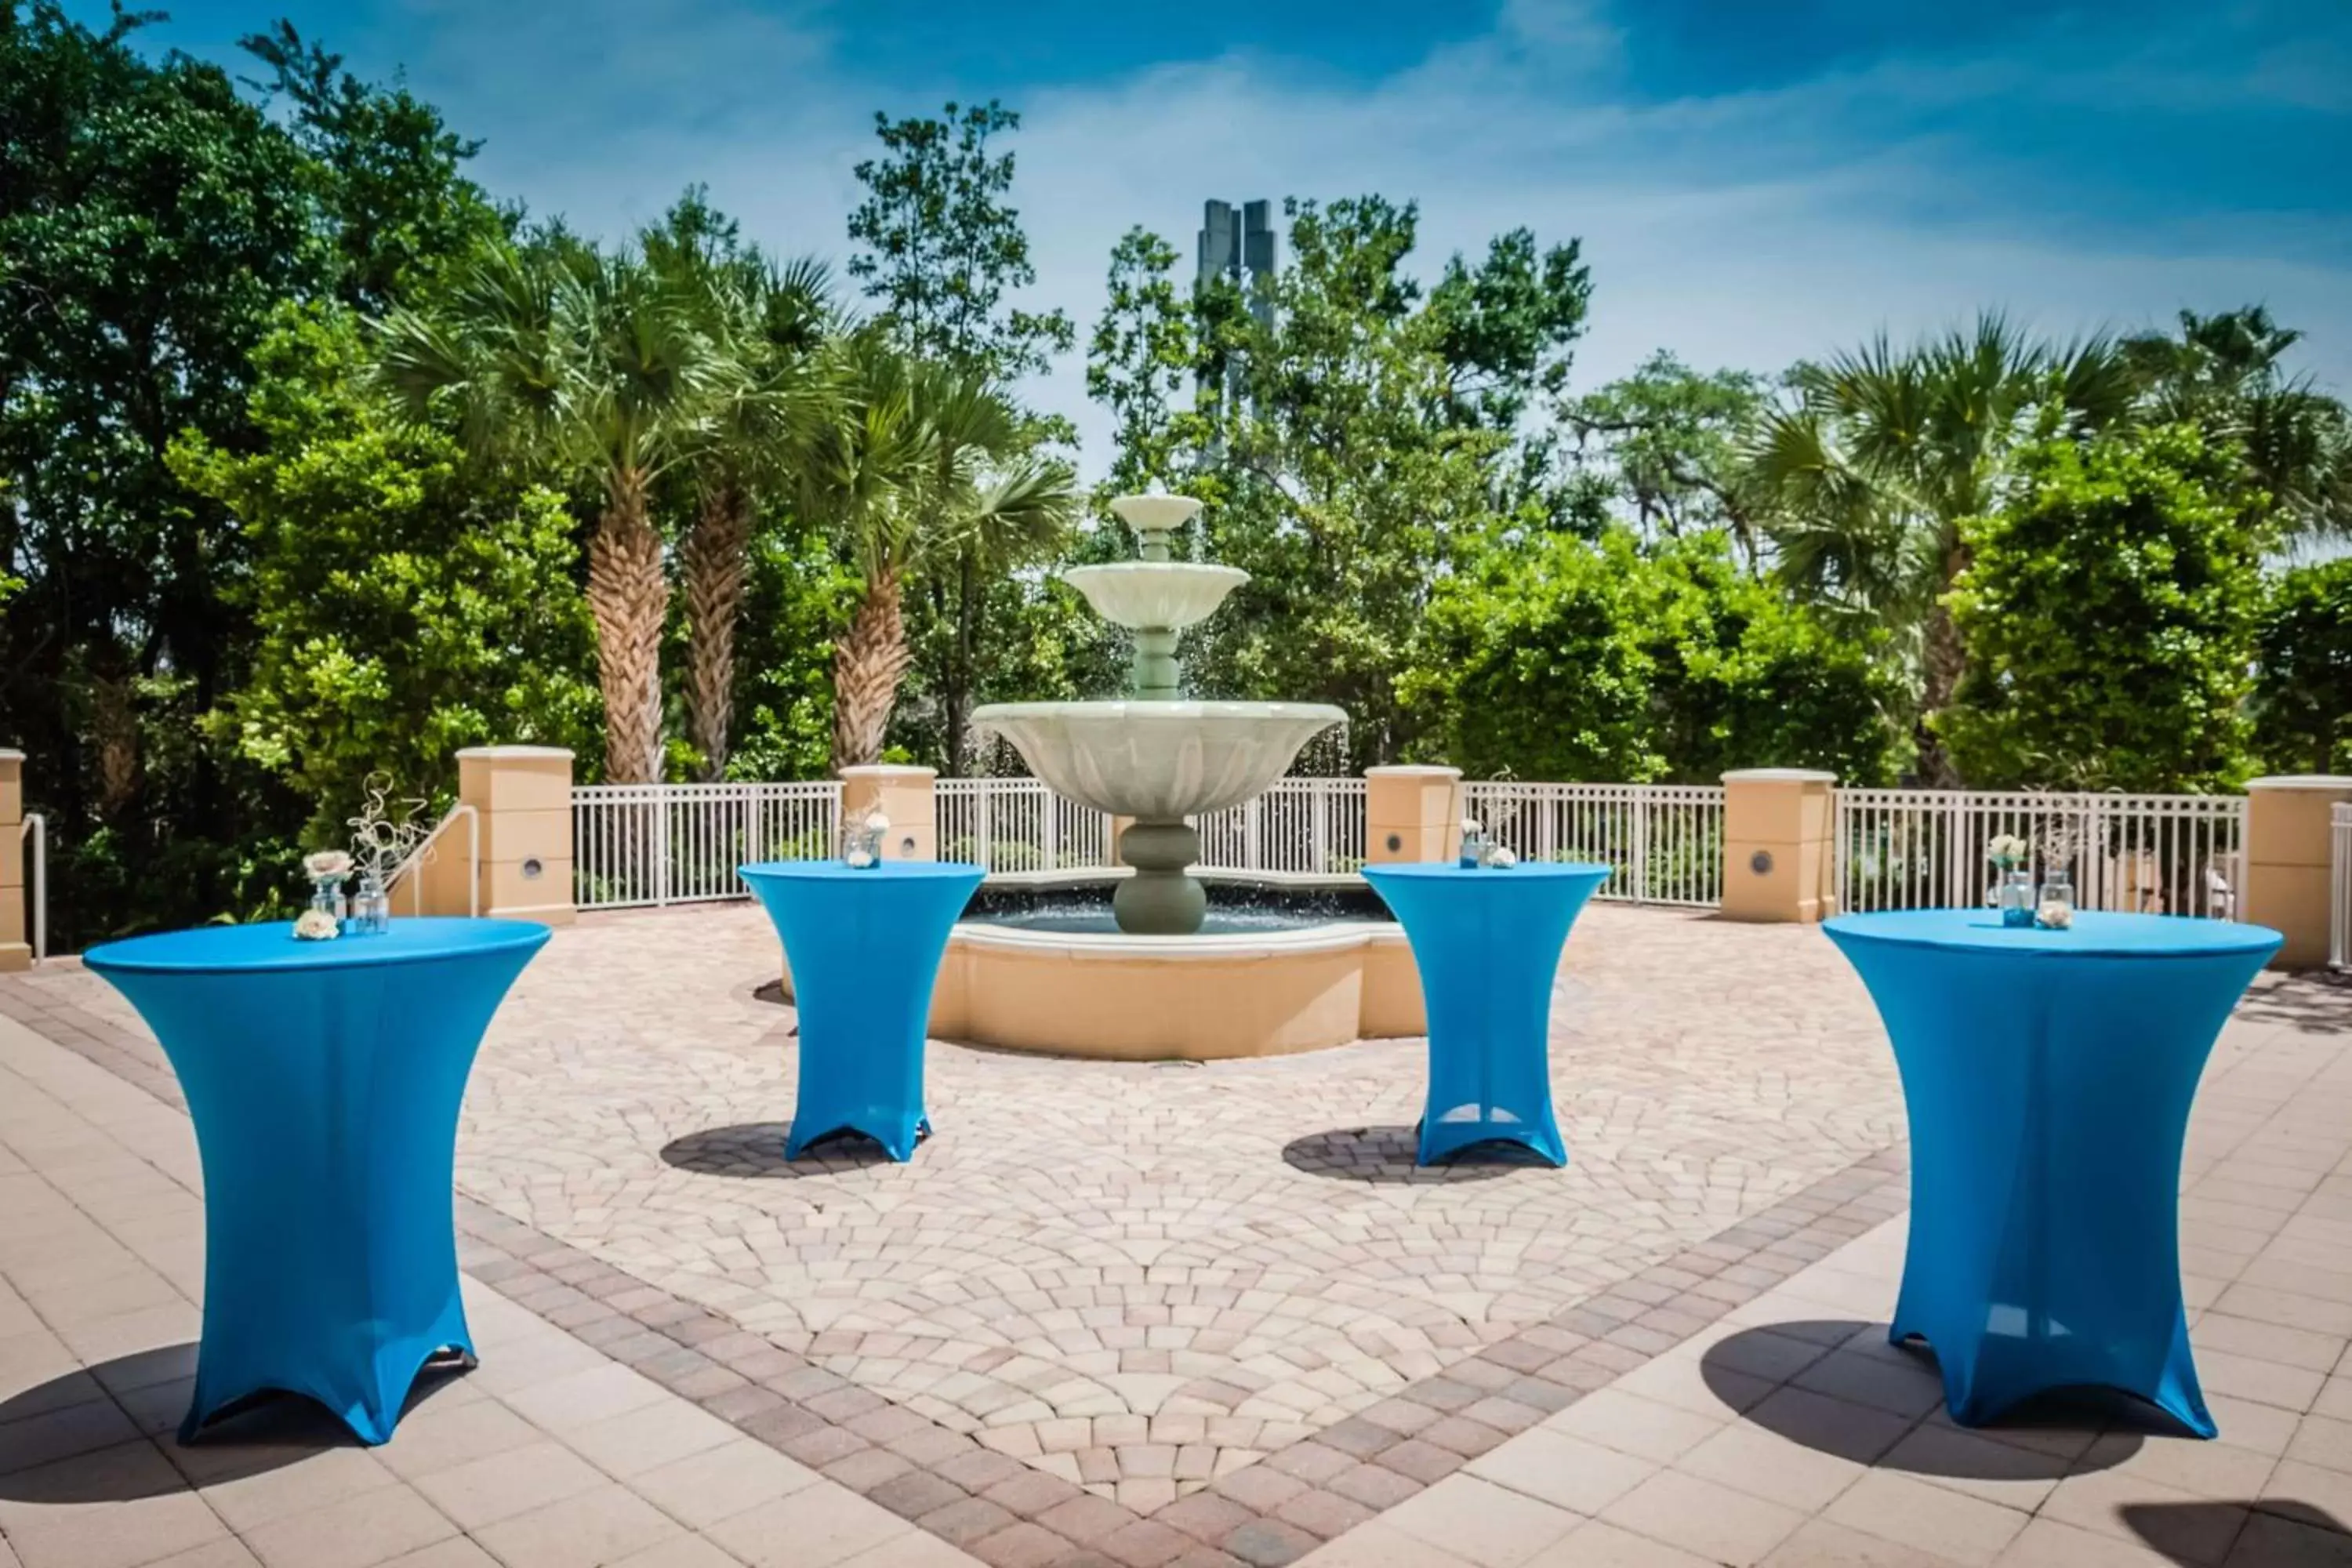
<point x="2016" y="898"/>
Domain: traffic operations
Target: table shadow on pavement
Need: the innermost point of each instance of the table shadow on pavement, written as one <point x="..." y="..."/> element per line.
<point x="84" y="1436"/>
<point x="2044" y="1438"/>
<point x="756" y="1149"/>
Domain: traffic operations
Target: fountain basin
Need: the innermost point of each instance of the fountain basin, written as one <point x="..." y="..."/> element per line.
<point x="1158" y="762"/>
<point x="1314" y="966"/>
<point x="1155" y="594"/>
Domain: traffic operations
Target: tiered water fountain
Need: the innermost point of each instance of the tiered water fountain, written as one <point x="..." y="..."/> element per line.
<point x="1157" y="759"/>
<point x="1098" y="962"/>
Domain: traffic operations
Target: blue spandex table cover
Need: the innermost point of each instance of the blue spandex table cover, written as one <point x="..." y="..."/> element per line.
<point x="2049" y="1075"/>
<point x="324" y="1080"/>
<point x="1487" y="943"/>
<point x="864" y="946"/>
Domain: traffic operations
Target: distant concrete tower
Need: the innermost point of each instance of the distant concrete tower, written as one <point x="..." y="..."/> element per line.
<point x="1240" y="245"/>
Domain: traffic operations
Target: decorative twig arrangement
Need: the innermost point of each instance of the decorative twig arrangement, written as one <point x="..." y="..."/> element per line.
<point x="380" y="842"/>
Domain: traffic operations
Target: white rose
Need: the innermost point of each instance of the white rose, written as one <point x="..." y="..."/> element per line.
<point x="1502" y="858"/>
<point x="876" y="823"/>
<point x="2055" y="915"/>
<point x="327" y="863"/>
<point x="860" y="858"/>
<point x="316" y="925"/>
<point x="1470" y="824"/>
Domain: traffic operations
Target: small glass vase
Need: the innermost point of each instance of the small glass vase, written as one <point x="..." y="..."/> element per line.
<point x="2055" y="906"/>
<point x="861" y="848"/>
<point x="2015" y="897"/>
<point x="1474" y="850"/>
<point x="327" y="898"/>
<point x="370" y="908"/>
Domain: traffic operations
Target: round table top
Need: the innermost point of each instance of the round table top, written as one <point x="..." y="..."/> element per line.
<point x="1481" y="876"/>
<point x="841" y="872"/>
<point x="2093" y="935"/>
<point x="271" y="947"/>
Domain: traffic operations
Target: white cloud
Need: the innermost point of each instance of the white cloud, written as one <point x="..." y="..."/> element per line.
<point x="1740" y="229"/>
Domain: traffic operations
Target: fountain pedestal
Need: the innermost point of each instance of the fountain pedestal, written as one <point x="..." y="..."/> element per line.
<point x="1161" y="898"/>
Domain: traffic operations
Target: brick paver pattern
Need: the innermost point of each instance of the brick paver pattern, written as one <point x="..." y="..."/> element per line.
<point x="1140" y="1277"/>
<point x="1212" y="1315"/>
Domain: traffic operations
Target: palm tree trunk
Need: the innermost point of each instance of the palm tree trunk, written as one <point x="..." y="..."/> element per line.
<point x="868" y="662"/>
<point x="628" y="596"/>
<point x="715" y="556"/>
<point x="1942" y="660"/>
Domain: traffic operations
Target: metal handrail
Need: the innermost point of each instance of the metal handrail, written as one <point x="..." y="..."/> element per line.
<point x="2339" y="883"/>
<point x="412" y="869"/>
<point x="36" y="828"/>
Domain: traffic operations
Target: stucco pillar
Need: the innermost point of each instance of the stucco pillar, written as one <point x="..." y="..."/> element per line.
<point x="15" y="952"/>
<point x="2287" y="852"/>
<point x="908" y="796"/>
<point x="1777" y="824"/>
<point x="524" y="798"/>
<point x="1411" y="814"/>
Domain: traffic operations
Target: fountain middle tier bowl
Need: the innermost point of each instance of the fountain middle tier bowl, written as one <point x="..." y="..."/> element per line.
<point x="1159" y="762"/>
<point x="1140" y="594"/>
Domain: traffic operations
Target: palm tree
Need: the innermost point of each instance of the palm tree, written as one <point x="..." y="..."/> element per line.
<point x="592" y="366"/>
<point x="991" y="506"/>
<point x="1862" y="482"/>
<point x="771" y="323"/>
<point x="919" y="461"/>
<point x="2224" y="373"/>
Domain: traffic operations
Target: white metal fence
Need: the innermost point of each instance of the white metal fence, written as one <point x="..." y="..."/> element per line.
<point x="1666" y="841"/>
<point x="664" y="843"/>
<point x="658" y="843"/>
<point x="2153" y="854"/>
<point x="1018" y="825"/>
<point x="1306" y="825"/>
<point x="2339" y="888"/>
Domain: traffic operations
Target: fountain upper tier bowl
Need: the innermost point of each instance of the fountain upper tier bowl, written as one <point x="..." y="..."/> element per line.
<point x="1159" y="762"/>
<point x="1148" y="594"/>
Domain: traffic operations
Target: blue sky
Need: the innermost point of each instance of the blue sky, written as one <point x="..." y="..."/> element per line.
<point x="1751" y="182"/>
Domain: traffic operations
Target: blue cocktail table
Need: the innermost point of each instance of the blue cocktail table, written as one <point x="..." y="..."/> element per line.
<point x="1487" y="944"/>
<point x="324" y="1080"/>
<point x="864" y="946"/>
<point x="2048" y="1076"/>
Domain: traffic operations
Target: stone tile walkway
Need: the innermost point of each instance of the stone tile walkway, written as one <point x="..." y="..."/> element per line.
<point x="1152" y="1315"/>
<point x="551" y="1455"/>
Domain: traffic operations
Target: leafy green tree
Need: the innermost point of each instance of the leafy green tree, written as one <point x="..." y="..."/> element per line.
<point x="798" y="596"/>
<point x="1351" y="437"/>
<point x="595" y="368"/>
<point x="1142" y="361"/>
<point x="392" y="186"/>
<point x="149" y="220"/>
<point x="1533" y="665"/>
<point x="942" y="250"/>
<point x="1747" y="678"/>
<point x="2110" y="615"/>
<point x="1507" y="327"/>
<point x="1663" y="449"/>
<point x="2303" y="694"/>
<point x="1564" y="659"/>
<point x="404" y="604"/>
<point x="1863" y="482"/>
